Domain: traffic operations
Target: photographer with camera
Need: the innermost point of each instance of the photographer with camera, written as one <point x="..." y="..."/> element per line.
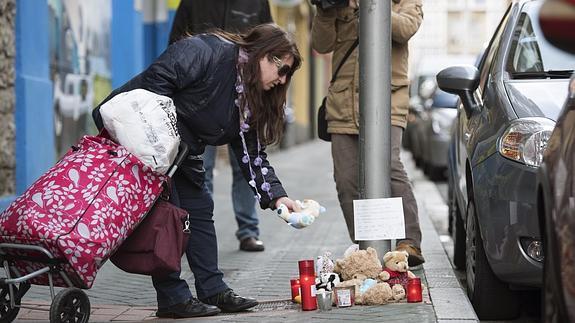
<point x="335" y="29"/>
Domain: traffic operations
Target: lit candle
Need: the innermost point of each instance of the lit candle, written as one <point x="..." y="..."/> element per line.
<point x="295" y="286"/>
<point x="414" y="293"/>
<point x="307" y="285"/>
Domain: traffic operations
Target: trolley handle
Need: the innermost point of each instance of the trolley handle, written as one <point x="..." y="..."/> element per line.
<point x="183" y="150"/>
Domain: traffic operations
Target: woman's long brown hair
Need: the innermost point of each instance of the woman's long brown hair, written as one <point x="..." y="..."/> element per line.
<point x="267" y="107"/>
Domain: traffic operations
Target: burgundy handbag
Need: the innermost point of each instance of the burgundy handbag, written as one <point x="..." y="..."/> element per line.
<point x="156" y="247"/>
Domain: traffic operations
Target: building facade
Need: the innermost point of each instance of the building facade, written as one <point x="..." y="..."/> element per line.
<point x="456" y="27"/>
<point x="59" y="58"/>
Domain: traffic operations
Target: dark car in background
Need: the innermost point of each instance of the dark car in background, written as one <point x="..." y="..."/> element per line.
<point x="556" y="181"/>
<point x="434" y="133"/>
<point x="431" y="113"/>
<point x="508" y="109"/>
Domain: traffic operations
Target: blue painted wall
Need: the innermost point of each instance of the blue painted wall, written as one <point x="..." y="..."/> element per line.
<point x="127" y="42"/>
<point x="33" y="111"/>
<point x="134" y="45"/>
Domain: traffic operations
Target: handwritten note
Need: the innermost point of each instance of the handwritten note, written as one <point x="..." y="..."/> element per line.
<point x="379" y="219"/>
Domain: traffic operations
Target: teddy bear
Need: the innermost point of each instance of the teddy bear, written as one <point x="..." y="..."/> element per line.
<point x="363" y="270"/>
<point x="369" y="291"/>
<point x="362" y="262"/>
<point x="396" y="272"/>
<point x="310" y="210"/>
<point x="378" y="294"/>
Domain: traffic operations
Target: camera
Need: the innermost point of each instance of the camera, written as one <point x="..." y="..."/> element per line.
<point x="327" y="4"/>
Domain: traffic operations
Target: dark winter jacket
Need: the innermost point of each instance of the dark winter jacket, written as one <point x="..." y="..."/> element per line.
<point x="199" y="74"/>
<point x="194" y="16"/>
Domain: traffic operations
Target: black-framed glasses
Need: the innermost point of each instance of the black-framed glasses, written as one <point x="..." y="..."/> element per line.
<point x="283" y="69"/>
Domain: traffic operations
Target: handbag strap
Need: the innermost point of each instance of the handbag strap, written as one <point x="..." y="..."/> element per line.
<point x="353" y="46"/>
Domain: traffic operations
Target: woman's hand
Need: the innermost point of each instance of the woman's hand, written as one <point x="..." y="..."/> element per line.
<point x="289" y="203"/>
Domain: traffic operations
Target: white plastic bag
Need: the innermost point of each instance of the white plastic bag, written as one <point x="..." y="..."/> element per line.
<point x="144" y="123"/>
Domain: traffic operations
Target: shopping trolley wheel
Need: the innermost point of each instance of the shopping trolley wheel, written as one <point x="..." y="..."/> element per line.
<point x="70" y="305"/>
<point x="8" y="313"/>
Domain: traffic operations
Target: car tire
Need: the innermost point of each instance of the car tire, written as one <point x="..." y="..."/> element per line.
<point x="491" y="298"/>
<point x="457" y="232"/>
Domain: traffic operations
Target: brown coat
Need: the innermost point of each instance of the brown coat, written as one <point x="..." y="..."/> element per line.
<point x="334" y="30"/>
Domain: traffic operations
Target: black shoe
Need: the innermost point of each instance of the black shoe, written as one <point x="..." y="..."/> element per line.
<point x="251" y="244"/>
<point x="228" y="301"/>
<point x="192" y="308"/>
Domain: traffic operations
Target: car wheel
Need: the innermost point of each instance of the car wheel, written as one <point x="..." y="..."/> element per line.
<point x="491" y="298"/>
<point x="457" y="232"/>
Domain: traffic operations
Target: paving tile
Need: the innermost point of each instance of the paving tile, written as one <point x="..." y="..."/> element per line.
<point x="266" y="275"/>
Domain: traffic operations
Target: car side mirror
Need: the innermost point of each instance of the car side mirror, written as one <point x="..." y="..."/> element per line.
<point x="461" y="80"/>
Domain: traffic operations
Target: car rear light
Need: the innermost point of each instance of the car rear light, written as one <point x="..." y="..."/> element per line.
<point x="525" y="140"/>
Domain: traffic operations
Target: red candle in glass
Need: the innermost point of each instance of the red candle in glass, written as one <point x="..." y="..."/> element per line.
<point x="307" y="285"/>
<point x="294" y="283"/>
<point x="414" y="293"/>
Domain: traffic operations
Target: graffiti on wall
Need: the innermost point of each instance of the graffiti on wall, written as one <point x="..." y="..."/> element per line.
<point x="79" y="65"/>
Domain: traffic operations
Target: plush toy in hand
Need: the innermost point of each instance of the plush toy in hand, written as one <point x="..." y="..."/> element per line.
<point x="396" y="272"/>
<point x="310" y="210"/>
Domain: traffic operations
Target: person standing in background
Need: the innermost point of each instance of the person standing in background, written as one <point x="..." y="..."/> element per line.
<point x="198" y="16"/>
<point x="335" y="30"/>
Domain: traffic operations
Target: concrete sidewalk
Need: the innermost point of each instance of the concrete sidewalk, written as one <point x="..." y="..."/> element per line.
<point x="306" y="172"/>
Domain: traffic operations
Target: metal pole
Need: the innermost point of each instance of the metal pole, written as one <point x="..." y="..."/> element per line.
<point x="375" y="105"/>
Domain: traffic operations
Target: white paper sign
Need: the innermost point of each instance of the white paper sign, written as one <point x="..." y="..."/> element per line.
<point x="379" y="219"/>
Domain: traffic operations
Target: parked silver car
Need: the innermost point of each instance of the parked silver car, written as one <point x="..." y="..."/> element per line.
<point x="509" y="107"/>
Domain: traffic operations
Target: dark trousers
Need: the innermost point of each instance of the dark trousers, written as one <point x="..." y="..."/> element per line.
<point x="345" y="154"/>
<point x="202" y="250"/>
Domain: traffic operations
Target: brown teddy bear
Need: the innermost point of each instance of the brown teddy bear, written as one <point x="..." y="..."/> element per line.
<point x="396" y="272"/>
<point x="378" y="293"/>
<point x="362" y="262"/>
<point x="355" y="268"/>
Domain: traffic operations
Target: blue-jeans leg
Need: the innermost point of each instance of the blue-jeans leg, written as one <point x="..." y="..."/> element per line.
<point x="201" y="252"/>
<point x="209" y="158"/>
<point x="243" y="199"/>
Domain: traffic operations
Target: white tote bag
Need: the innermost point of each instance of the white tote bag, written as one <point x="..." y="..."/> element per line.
<point x="144" y="123"/>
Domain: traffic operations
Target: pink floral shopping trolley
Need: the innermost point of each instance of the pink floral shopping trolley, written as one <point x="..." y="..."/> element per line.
<point x="69" y="222"/>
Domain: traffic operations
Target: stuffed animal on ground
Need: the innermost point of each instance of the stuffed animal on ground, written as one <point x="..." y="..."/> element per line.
<point x="396" y="272"/>
<point x="369" y="291"/>
<point x="359" y="262"/>
<point x="378" y="294"/>
<point x="310" y="210"/>
<point x="324" y="264"/>
<point x="327" y="281"/>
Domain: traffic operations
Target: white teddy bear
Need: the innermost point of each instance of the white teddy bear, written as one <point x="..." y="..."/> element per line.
<point x="310" y="210"/>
